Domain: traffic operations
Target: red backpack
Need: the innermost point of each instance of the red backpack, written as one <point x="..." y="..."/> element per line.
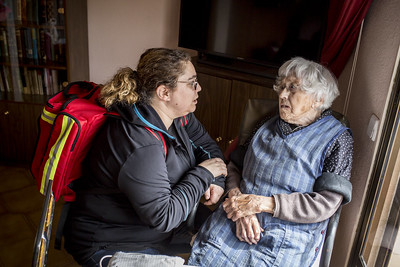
<point x="67" y="126"/>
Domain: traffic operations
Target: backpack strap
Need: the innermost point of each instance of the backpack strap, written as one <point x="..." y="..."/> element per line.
<point x="184" y="121"/>
<point x="161" y="138"/>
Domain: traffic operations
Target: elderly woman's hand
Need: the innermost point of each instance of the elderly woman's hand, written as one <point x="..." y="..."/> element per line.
<point x="247" y="204"/>
<point x="248" y="229"/>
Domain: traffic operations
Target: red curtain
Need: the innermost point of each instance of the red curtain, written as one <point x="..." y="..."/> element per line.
<point x="344" y="24"/>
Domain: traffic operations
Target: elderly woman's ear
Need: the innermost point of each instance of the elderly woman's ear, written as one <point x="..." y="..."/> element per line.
<point x="317" y="103"/>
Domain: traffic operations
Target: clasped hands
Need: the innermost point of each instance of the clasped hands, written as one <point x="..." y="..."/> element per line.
<point x="242" y="209"/>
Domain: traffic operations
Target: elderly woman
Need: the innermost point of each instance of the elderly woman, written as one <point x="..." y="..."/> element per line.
<point x="294" y="176"/>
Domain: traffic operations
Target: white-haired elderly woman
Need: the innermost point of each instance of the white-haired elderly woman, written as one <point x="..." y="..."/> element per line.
<point x="293" y="176"/>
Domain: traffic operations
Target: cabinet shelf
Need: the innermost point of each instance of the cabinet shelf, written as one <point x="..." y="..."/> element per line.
<point x="32" y="65"/>
<point x="31" y="25"/>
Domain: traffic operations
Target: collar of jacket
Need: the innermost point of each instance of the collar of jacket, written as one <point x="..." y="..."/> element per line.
<point x="143" y="115"/>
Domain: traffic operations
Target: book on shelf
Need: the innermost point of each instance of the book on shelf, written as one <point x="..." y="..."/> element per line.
<point x="29" y="11"/>
<point x="42" y="50"/>
<point x="28" y="44"/>
<point x="35" y="11"/>
<point x="18" y="11"/>
<point x="3" y="43"/>
<point x="20" y="47"/>
<point x="26" y="81"/>
<point x="42" y="12"/>
<point x="47" y="82"/>
<point x="23" y="11"/>
<point x="2" y="85"/>
<point x="40" y="81"/>
<point x="54" y="76"/>
<point x="7" y="79"/>
<point x="60" y="12"/>
<point x="16" y="80"/>
<point x="52" y="13"/>
<point x="48" y="47"/>
<point x="12" y="81"/>
<point x="35" y="83"/>
<point x="34" y="46"/>
<point x="12" y="46"/>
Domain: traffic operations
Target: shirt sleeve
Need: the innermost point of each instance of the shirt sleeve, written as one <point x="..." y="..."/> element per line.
<point x="233" y="178"/>
<point x="339" y="157"/>
<point x="306" y="208"/>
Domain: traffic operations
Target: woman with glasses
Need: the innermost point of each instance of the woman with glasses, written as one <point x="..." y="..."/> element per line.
<point x="148" y="167"/>
<point x="289" y="180"/>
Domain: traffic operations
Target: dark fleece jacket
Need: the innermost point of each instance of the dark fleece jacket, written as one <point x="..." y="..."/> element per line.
<point x="140" y="182"/>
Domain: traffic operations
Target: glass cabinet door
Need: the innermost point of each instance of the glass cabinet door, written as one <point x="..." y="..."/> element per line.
<point x="32" y="47"/>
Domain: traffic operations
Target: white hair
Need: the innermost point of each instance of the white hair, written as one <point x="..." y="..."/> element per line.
<point x="314" y="79"/>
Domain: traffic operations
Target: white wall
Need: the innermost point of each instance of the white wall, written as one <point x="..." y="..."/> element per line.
<point x="121" y="30"/>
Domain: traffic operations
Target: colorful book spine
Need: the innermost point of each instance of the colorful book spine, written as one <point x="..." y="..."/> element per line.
<point x="3" y="43"/>
<point x="35" y="55"/>
<point x="20" y="46"/>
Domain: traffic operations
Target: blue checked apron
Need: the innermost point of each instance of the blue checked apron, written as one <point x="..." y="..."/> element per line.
<point x="274" y="164"/>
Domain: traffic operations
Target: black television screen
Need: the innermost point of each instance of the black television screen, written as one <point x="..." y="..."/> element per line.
<point x="263" y="32"/>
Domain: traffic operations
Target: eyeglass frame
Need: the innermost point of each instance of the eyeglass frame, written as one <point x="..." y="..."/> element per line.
<point x="193" y="83"/>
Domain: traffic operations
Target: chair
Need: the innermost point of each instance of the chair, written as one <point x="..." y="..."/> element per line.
<point x="258" y="109"/>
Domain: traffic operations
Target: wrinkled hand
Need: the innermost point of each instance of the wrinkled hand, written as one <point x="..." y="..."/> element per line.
<point x="240" y="206"/>
<point x="213" y="194"/>
<point x="248" y="229"/>
<point x="216" y="166"/>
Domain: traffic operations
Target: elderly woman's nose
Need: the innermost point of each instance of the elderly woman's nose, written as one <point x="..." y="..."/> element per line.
<point x="284" y="93"/>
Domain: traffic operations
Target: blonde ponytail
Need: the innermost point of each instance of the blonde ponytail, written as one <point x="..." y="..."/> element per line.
<point x="121" y="88"/>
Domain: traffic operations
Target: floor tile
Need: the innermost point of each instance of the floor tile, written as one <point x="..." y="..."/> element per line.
<point x="17" y="253"/>
<point x="14" y="178"/>
<point x="14" y="227"/>
<point x="26" y="199"/>
<point x="20" y="213"/>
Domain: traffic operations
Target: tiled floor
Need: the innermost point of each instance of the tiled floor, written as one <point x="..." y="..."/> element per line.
<point x="20" y="211"/>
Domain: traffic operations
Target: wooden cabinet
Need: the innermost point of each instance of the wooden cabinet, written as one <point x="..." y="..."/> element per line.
<point x="19" y="129"/>
<point x="223" y="98"/>
<point x="40" y="51"/>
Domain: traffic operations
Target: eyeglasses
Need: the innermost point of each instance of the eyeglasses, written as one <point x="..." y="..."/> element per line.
<point x="193" y="83"/>
<point x="291" y="87"/>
